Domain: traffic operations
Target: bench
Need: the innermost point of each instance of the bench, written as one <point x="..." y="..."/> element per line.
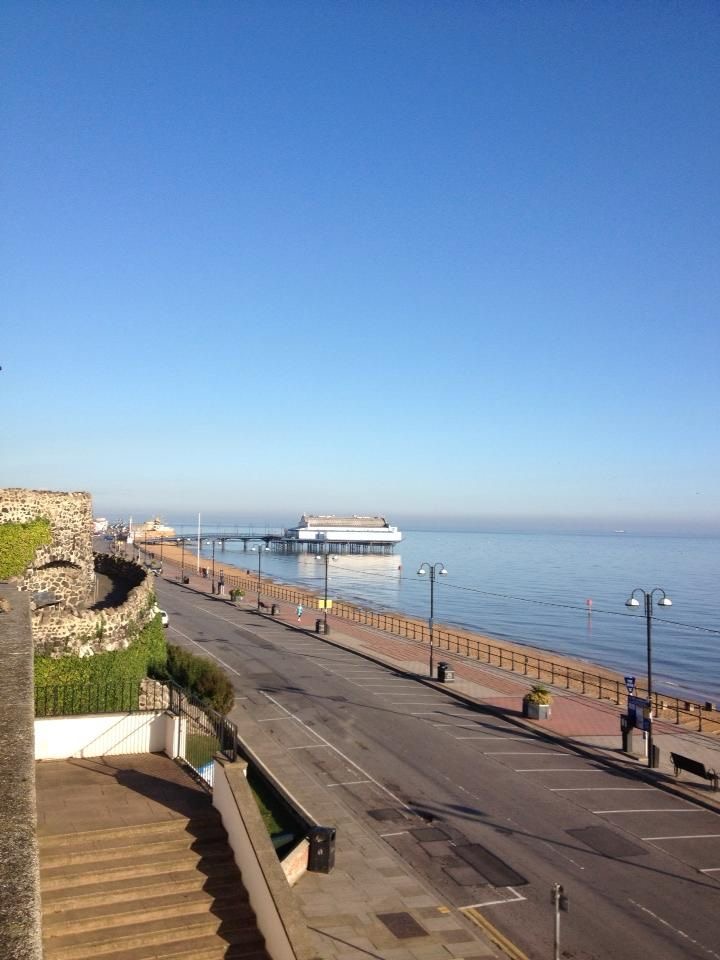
<point x="694" y="766"/>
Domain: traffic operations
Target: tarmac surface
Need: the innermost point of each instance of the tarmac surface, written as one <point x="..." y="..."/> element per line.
<point x="372" y="905"/>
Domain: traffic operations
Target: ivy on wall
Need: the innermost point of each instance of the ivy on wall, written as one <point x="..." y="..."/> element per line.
<point x="146" y="654"/>
<point x="18" y="544"/>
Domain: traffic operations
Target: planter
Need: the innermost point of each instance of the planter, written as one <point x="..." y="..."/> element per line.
<point x="536" y="711"/>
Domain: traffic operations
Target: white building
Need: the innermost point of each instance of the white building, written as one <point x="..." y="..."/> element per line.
<point x="366" y="531"/>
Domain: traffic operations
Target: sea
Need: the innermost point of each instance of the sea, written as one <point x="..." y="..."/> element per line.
<point x="564" y="593"/>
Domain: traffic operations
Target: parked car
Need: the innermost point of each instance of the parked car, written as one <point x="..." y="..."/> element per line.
<point x="164" y="619"/>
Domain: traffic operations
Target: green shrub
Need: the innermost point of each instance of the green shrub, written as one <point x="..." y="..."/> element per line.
<point x="146" y="655"/>
<point x="201" y="677"/>
<point x="18" y="544"/>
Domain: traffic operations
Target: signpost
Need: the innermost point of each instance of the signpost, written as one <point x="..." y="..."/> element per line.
<point x="559" y="899"/>
<point x="630" y="684"/>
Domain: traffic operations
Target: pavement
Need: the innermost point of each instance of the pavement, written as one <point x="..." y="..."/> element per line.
<point x="371" y="904"/>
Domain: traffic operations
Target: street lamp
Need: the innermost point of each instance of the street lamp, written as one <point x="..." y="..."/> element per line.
<point x="327" y="558"/>
<point x="182" y="560"/>
<point x="664" y="601"/>
<point x="434" y="569"/>
<point x="213" y="565"/>
<point x="261" y="548"/>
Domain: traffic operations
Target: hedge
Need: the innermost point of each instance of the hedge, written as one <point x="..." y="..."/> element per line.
<point x="201" y="677"/>
<point x="147" y="654"/>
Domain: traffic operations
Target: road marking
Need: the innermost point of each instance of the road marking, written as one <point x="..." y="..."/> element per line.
<point x="680" y="933"/>
<point x="337" y="751"/>
<point x="652" y="810"/>
<point x="310" y="746"/>
<point x="483" y="736"/>
<point x="709" y="869"/>
<point x="526" y="753"/>
<point x="346" y="783"/>
<point x="270" y="719"/>
<point x="400" y="833"/>
<point x="575" y="789"/>
<point x="686" y="836"/>
<point x="559" y="770"/>
<point x="515" y="953"/>
<point x="491" y="903"/>
<point x="408" y="703"/>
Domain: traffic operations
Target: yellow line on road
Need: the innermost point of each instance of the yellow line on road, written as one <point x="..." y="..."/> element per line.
<point x="507" y="946"/>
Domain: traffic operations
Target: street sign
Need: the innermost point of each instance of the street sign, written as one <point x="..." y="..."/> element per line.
<point x="639" y="711"/>
<point x="630" y="684"/>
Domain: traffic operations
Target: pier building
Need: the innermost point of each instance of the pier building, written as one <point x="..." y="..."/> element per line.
<point x="356" y="534"/>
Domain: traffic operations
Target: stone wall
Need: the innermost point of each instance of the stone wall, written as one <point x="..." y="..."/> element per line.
<point x="65" y="566"/>
<point x="60" y="632"/>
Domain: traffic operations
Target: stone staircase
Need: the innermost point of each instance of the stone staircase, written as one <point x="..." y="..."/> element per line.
<point x="167" y="889"/>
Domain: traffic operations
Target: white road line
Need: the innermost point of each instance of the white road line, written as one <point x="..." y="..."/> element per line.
<point x="270" y="719"/>
<point x="311" y="746"/>
<point x="484" y="736"/>
<point x="491" y="903"/>
<point x="400" y="833"/>
<point x="686" y="836"/>
<point x="457" y="726"/>
<point x="652" y="810"/>
<point x="709" y="869"/>
<point x="526" y="753"/>
<point x="347" y="783"/>
<point x="680" y="933"/>
<point x="408" y="703"/>
<point x="576" y="789"/>
<point x="338" y="752"/>
<point x="558" y="770"/>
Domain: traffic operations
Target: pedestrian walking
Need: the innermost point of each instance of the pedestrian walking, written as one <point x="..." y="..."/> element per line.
<point x="221" y="583"/>
<point x="299" y="611"/>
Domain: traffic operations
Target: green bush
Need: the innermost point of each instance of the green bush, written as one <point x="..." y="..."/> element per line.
<point x="18" y="544"/>
<point x="201" y="677"/>
<point x="146" y="655"/>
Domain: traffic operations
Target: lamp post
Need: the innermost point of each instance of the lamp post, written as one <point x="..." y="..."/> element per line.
<point x="213" y="565"/>
<point x="664" y="601"/>
<point x="261" y="548"/>
<point x="327" y="558"/>
<point x="182" y="560"/>
<point x="434" y="569"/>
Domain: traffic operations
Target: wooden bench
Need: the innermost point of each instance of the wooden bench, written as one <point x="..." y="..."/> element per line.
<point x="694" y="766"/>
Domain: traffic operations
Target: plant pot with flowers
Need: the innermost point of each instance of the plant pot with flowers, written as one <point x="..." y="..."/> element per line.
<point x="536" y="703"/>
<point x="236" y="594"/>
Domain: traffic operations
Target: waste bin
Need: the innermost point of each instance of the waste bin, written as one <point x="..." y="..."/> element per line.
<point x="446" y="674"/>
<point x="274" y="610"/>
<point x="318" y="626"/>
<point x="186" y="579"/>
<point x="321" y="857"/>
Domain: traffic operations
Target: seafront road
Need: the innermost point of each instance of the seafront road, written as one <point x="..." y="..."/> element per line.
<point x="487" y="810"/>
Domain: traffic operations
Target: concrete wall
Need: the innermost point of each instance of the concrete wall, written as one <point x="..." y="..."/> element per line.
<point x="20" y="935"/>
<point x="102" y="735"/>
<point x="64" y="566"/>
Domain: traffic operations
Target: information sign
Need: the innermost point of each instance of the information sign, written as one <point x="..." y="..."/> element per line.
<point x="630" y="684"/>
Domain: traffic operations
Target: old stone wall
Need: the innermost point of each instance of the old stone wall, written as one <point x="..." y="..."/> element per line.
<point x="59" y="632"/>
<point x="65" y="566"/>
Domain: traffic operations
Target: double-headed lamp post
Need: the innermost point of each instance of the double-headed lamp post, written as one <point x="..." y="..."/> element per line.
<point x="213" y="565"/>
<point x="434" y="569"/>
<point x="327" y="558"/>
<point x="261" y="548"/>
<point x="664" y="601"/>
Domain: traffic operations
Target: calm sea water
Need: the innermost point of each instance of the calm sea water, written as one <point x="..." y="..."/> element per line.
<point x="533" y="588"/>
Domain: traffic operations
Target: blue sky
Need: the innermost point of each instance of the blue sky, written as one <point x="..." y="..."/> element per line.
<point x="429" y="259"/>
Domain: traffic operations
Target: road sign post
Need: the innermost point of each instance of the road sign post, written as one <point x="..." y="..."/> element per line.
<point x="559" y="899"/>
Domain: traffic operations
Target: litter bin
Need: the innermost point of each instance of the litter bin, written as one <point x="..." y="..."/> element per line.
<point x="274" y="610"/>
<point x="446" y="674"/>
<point x="318" y="626"/>
<point x="186" y="579"/>
<point x="321" y="857"/>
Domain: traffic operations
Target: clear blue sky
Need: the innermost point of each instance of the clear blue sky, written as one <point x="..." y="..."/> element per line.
<point x="427" y="259"/>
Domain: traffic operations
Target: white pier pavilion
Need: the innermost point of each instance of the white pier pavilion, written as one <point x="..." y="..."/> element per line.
<point x="324" y="534"/>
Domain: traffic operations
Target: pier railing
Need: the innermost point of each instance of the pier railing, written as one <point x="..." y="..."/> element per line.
<point x="608" y="686"/>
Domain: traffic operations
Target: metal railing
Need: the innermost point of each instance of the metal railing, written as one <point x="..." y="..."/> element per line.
<point x="134" y="696"/>
<point x="203" y="732"/>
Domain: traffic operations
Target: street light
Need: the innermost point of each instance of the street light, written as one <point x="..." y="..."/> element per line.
<point x="261" y="548"/>
<point x="327" y="558"/>
<point x="213" y="565"/>
<point x="182" y="560"/>
<point x="434" y="569"/>
<point x="664" y="601"/>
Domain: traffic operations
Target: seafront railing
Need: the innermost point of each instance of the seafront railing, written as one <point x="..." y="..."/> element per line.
<point x="599" y="684"/>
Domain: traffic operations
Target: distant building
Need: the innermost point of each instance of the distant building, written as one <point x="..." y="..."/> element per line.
<point x="360" y="531"/>
<point x="100" y="525"/>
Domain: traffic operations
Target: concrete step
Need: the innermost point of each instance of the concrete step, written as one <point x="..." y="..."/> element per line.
<point x="95" y="853"/>
<point x="208" y="861"/>
<point x="197" y="826"/>
<point x="160" y="933"/>
<point x="232" y="903"/>
<point x="119" y="891"/>
<point x="201" y="948"/>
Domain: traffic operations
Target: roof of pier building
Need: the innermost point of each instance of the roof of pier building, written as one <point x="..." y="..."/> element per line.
<point x="308" y="520"/>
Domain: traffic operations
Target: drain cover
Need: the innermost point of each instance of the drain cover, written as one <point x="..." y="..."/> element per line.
<point x="402" y="925"/>
<point x="607" y="842"/>
<point x="388" y="813"/>
<point x="427" y="834"/>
